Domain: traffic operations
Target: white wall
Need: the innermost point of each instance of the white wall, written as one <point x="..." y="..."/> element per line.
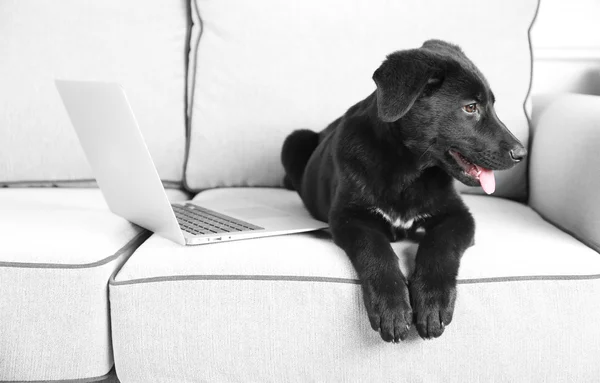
<point x="566" y="47"/>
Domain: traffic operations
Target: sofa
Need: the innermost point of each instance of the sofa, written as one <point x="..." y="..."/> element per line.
<point x="87" y="296"/>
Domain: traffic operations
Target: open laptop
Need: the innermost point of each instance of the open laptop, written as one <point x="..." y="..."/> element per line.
<point x="121" y="162"/>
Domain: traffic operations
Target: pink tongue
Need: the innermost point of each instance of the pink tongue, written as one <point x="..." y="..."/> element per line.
<point x="487" y="180"/>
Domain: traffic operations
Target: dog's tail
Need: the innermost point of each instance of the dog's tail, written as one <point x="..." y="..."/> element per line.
<point x="296" y="151"/>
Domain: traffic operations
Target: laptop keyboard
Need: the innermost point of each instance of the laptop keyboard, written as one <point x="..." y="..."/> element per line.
<point x="198" y="220"/>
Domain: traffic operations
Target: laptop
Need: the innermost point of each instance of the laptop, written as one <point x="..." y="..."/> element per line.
<point x="121" y="162"/>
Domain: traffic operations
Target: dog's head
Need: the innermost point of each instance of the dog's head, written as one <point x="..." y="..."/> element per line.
<point x="443" y="109"/>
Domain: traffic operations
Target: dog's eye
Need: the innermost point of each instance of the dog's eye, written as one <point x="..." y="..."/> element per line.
<point x="470" y="108"/>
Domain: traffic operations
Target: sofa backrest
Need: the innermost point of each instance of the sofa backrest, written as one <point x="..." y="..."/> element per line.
<point x="260" y="70"/>
<point x="139" y="43"/>
<point x="255" y="72"/>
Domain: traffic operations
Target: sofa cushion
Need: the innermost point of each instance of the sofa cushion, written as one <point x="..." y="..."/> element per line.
<point x="290" y="308"/>
<point x="260" y="72"/>
<point x="140" y="44"/>
<point x="58" y="250"/>
<point x="565" y="165"/>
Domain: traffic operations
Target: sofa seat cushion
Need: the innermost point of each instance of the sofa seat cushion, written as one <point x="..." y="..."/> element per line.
<point x="58" y="250"/>
<point x="289" y="308"/>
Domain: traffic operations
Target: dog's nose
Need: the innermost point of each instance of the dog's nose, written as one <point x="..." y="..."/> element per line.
<point x="518" y="153"/>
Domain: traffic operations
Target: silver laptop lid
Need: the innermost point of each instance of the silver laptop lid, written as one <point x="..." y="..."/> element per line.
<point x="118" y="155"/>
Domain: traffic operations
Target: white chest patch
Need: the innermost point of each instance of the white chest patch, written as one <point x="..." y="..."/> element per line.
<point x="397" y="221"/>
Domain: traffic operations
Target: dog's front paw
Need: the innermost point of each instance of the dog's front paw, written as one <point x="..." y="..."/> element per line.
<point x="433" y="306"/>
<point x="388" y="306"/>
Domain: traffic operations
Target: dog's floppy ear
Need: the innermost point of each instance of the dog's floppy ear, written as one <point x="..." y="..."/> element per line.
<point x="402" y="78"/>
<point x="442" y="47"/>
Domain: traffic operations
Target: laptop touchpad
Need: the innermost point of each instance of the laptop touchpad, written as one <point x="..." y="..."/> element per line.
<point x="256" y="212"/>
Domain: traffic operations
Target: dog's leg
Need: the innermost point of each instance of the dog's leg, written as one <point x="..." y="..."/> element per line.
<point x="433" y="283"/>
<point x="385" y="290"/>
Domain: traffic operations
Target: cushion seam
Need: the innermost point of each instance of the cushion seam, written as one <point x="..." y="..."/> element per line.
<point x="529" y="124"/>
<point x="80" y="380"/>
<point x="192" y="92"/>
<point x="140" y="237"/>
<point x="166" y="183"/>
<point x="291" y="278"/>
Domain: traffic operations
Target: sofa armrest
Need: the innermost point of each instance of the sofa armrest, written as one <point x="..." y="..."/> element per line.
<point x="564" y="168"/>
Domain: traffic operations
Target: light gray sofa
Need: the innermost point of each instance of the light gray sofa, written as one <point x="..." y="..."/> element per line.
<point x="215" y="87"/>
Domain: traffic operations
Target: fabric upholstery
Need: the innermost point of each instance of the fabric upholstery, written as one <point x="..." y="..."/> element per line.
<point x="289" y="308"/>
<point x="140" y="44"/>
<point x="565" y="166"/>
<point x="59" y="248"/>
<point x="260" y="72"/>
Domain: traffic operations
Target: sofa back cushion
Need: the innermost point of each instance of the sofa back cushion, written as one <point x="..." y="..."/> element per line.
<point x="259" y="70"/>
<point x="140" y="44"/>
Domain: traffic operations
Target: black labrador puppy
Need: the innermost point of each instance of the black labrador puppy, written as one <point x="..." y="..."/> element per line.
<point x="386" y="167"/>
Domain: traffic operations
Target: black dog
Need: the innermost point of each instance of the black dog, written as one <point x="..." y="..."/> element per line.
<point x="386" y="166"/>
